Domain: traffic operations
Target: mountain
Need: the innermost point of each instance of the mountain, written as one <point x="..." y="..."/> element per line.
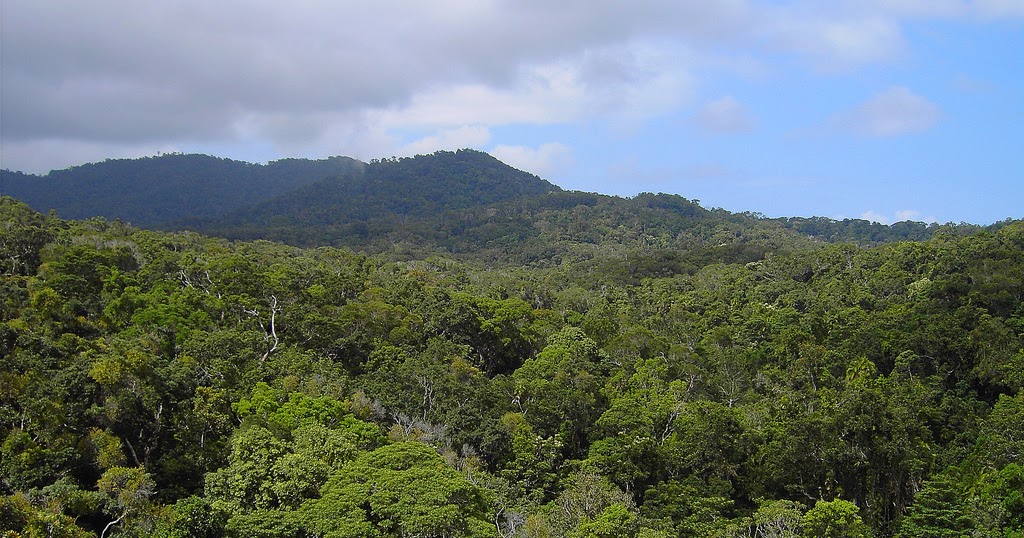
<point x="153" y="191"/>
<point x="163" y="383"/>
<point x="546" y="229"/>
<point x="464" y="203"/>
<point x="647" y="352"/>
<point x="411" y="187"/>
<point x="626" y="239"/>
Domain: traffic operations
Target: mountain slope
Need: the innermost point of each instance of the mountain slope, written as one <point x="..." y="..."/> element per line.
<point x="414" y="187"/>
<point x="465" y="203"/>
<point x="155" y="190"/>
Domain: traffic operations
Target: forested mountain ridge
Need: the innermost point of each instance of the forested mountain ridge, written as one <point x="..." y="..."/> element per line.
<point x="154" y="191"/>
<point x="648" y="235"/>
<point x="171" y="384"/>
<point x="384" y="191"/>
<point x="174" y="189"/>
<point x="466" y="203"/>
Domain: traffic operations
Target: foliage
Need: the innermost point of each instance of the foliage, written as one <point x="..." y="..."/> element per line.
<point x="834" y="519"/>
<point x="166" y="188"/>
<point x="173" y="384"/>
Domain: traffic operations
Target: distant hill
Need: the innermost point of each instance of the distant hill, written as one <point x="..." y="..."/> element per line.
<point x="153" y="191"/>
<point x="406" y="210"/>
<point x="464" y="203"/>
<point x="472" y="205"/>
<point x="411" y="187"/>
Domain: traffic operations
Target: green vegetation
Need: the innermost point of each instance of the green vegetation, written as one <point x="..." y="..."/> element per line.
<point x="169" y="188"/>
<point x="544" y="364"/>
<point x="464" y="203"/>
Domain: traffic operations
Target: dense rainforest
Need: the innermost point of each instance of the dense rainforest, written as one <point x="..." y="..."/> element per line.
<point x="464" y="202"/>
<point x="546" y="364"/>
<point x="167" y="188"/>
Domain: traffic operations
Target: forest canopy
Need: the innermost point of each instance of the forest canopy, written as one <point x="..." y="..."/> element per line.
<point x="740" y="381"/>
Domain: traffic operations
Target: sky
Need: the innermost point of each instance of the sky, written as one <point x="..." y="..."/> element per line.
<point x="886" y="110"/>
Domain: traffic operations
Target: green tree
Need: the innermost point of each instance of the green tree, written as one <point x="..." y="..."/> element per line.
<point x="592" y="501"/>
<point x="778" y="519"/>
<point x="938" y="511"/>
<point x="834" y="519"/>
<point x="190" y="517"/>
<point x="637" y="428"/>
<point x="404" y="489"/>
<point x="23" y="233"/>
<point x="248" y="479"/>
<point x="613" y="522"/>
<point x="20" y="517"/>
<point x="126" y="491"/>
<point x="559" y="391"/>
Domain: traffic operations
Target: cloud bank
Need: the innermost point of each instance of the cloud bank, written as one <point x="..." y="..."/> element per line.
<point x="113" y="77"/>
<point x="898" y="216"/>
<point x="891" y="112"/>
<point x="725" y="116"/>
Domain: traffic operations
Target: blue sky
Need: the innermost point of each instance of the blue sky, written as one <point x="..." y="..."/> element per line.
<point x="886" y="110"/>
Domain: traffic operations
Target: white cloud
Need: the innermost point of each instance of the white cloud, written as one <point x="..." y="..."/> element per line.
<point x="900" y="215"/>
<point x="632" y="81"/>
<point x="725" y="116"/>
<point x="467" y="136"/>
<point x="907" y="214"/>
<point x="546" y="160"/>
<point x="42" y="156"/>
<point x="918" y="8"/>
<point x="875" y="217"/>
<point x="913" y="215"/>
<point x="835" y="43"/>
<point x="998" y="8"/>
<point x="350" y="76"/>
<point x="547" y="94"/>
<point x="891" y="112"/>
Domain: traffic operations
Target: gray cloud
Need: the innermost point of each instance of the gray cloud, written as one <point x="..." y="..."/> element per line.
<point x="891" y="112"/>
<point x="333" y="76"/>
<point x="725" y="116"/>
<point x="545" y="160"/>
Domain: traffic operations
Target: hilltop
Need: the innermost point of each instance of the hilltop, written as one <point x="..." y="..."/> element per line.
<point x="154" y="191"/>
<point x="465" y="203"/>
